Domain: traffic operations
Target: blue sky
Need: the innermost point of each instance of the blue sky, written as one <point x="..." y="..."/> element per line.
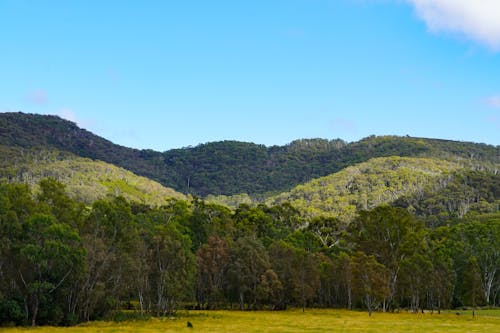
<point x="169" y="74"/>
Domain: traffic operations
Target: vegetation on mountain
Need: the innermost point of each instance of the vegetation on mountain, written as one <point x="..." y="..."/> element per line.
<point x="365" y="186"/>
<point x="386" y="223"/>
<point x="86" y="180"/>
<point x="230" y="167"/>
<point x="460" y="193"/>
<point x="62" y="262"/>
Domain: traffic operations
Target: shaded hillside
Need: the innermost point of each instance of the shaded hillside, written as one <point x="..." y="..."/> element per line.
<point x="86" y="180"/>
<point x="231" y="167"/>
<point x="32" y="130"/>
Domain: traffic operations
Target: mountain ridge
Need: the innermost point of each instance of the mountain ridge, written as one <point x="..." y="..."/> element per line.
<point x="233" y="167"/>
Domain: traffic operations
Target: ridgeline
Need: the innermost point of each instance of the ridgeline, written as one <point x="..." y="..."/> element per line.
<point x="231" y="167"/>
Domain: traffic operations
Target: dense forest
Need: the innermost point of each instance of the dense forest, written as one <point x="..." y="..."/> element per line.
<point x="382" y="224"/>
<point x="230" y="167"/>
<point x="62" y="262"/>
<point x="430" y="188"/>
<point x="86" y="180"/>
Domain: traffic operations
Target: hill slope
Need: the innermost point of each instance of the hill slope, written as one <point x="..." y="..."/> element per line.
<point x="85" y="179"/>
<point x="385" y="180"/>
<point x="231" y="167"/>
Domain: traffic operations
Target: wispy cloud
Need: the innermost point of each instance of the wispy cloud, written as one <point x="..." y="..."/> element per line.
<point x="493" y="101"/>
<point x="38" y="97"/>
<point x="478" y="20"/>
<point x="69" y="114"/>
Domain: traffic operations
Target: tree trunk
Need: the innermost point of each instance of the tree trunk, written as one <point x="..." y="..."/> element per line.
<point x="34" y="310"/>
<point x="369" y="304"/>
<point x="349" y="298"/>
<point x="241" y="301"/>
<point x="141" y="301"/>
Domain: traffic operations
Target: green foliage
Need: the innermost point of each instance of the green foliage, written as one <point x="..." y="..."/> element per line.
<point x="472" y="281"/>
<point x="231" y="167"/>
<point x="392" y="236"/>
<point x="371" y="280"/>
<point x="11" y="312"/>
<point x="298" y="271"/>
<point x="212" y="260"/>
<point x="62" y="262"/>
<point x="49" y="255"/>
<point x="365" y="186"/>
<point x="232" y="201"/>
<point x="479" y="240"/>
<point x="248" y="264"/>
<point x="459" y="194"/>
<point x="86" y="180"/>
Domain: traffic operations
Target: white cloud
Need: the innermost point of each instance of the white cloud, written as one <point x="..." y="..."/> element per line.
<point x="70" y="115"/>
<point x="478" y="20"/>
<point x="493" y="101"/>
<point x="67" y="114"/>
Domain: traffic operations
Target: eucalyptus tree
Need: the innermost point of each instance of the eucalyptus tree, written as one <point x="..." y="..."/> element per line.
<point x="49" y="255"/>
<point x="249" y="262"/>
<point x="390" y="235"/>
<point x="371" y="280"/>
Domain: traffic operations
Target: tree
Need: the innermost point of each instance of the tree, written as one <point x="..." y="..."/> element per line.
<point x="16" y="206"/>
<point x="442" y="279"/>
<point x="54" y="200"/>
<point x="163" y="263"/>
<point x="416" y="275"/>
<point x="390" y="235"/>
<point x="481" y="240"/>
<point x="212" y="261"/>
<point x="307" y="269"/>
<point x="49" y="255"/>
<point x="108" y="235"/>
<point x="371" y="280"/>
<point x="298" y="271"/>
<point x="473" y="285"/>
<point x="270" y="289"/>
<point x="172" y="264"/>
<point x="329" y="230"/>
<point x="249" y="262"/>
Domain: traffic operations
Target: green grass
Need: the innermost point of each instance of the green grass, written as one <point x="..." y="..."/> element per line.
<point x="480" y="313"/>
<point x="293" y="321"/>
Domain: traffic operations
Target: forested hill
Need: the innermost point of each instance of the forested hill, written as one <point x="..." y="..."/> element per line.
<point x="231" y="167"/>
<point x="85" y="180"/>
<point x="434" y="189"/>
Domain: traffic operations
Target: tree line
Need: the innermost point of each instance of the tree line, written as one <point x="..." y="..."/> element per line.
<point x="62" y="262"/>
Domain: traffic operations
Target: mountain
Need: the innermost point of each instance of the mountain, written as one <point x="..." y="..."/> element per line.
<point x="428" y="187"/>
<point x="365" y="186"/>
<point x="86" y="180"/>
<point x="231" y="167"/>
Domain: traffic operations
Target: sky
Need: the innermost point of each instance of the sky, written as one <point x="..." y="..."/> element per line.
<point x="163" y="74"/>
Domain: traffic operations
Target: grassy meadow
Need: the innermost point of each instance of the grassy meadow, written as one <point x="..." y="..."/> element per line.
<point x="293" y="321"/>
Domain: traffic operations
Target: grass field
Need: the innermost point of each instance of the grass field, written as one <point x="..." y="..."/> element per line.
<point x="293" y="321"/>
